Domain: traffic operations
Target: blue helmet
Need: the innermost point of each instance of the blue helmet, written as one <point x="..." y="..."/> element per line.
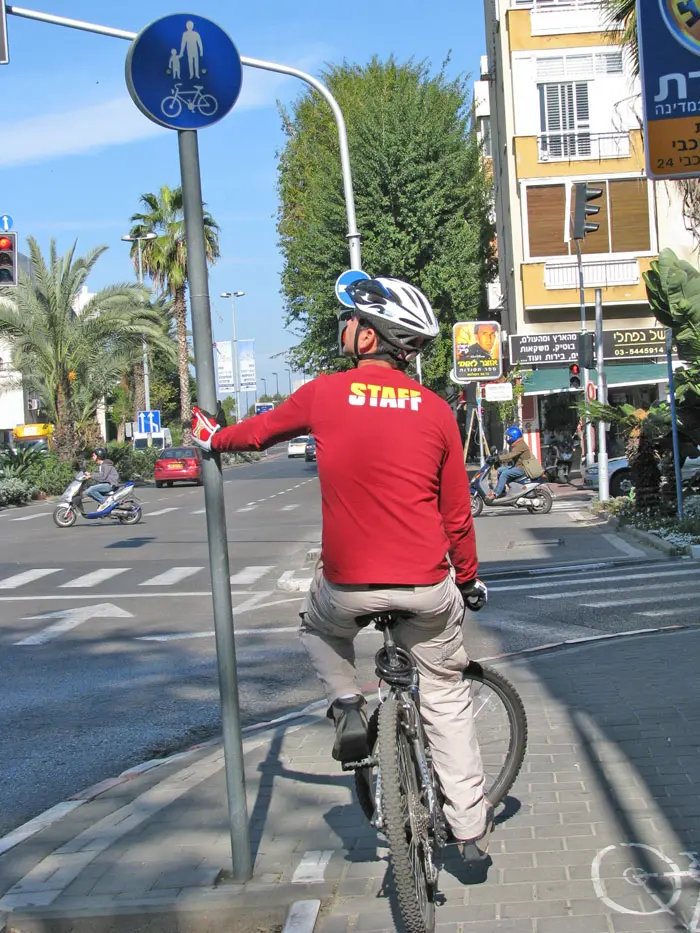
<point x="513" y="434"/>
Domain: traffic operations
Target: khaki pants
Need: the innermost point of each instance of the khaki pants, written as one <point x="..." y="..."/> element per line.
<point x="434" y="637"/>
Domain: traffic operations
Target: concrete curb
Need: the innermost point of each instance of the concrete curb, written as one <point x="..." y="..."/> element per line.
<point x="645" y="537"/>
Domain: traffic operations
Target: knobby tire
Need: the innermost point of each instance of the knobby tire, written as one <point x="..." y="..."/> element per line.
<point x="401" y="789"/>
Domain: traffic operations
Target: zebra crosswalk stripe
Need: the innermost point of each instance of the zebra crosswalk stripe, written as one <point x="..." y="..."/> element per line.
<point x="169" y="577"/>
<point x="28" y="576"/>
<point x="173" y="508"/>
<point x="248" y="575"/>
<point x="97" y="576"/>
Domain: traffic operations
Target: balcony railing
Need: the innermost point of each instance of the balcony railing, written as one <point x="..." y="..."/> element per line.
<point x="558" y="4"/>
<point x="596" y="274"/>
<point x="566" y="145"/>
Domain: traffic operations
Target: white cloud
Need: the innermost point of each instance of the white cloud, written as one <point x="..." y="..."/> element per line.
<point x="113" y="122"/>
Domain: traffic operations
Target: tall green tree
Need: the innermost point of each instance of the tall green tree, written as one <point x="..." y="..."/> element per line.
<point x="73" y="360"/>
<point x="422" y="201"/>
<point x="165" y="261"/>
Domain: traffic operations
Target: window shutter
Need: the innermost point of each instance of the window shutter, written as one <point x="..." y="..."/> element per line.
<point x="546" y="205"/>
<point x="629" y="215"/>
<point x="608" y="63"/>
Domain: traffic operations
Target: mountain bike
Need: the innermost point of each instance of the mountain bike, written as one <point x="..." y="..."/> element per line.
<point x="396" y="785"/>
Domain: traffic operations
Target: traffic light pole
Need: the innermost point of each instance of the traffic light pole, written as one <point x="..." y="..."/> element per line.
<point x="590" y="457"/>
<point x="603" y="472"/>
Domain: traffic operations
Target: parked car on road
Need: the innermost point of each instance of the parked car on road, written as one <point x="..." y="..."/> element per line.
<point x="297" y="446"/>
<point x="620" y="475"/>
<point x="310" y="450"/>
<point x="178" y="464"/>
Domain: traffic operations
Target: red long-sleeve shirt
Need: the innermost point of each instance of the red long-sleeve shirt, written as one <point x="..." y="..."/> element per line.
<point x="394" y="490"/>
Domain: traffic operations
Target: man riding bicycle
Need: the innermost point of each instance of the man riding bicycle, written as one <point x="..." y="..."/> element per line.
<point x="395" y="502"/>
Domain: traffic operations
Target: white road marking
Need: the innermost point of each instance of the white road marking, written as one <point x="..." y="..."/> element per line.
<point x="69" y="619"/>
<point x="495" y="588"/>
<point x="248" y="575"/>
<point x="29" y="518"/>
<point x="19" y="579"/>
<point x="614" y="589"/>
<point x="247" y="508"/>
<point x="624" y="546"/>
<point x="239" y="631"/>
<point x="312" y="867"/>
<point x="663" y="613"/>
<point x="603" y="604"/>
<point x="250" y="602"/>
<point x="198" y="512"/>
<point x="288" y="508"/>
<point x="174" y="575"/>
<point x="302" y="917"/>
<point x="173" y="508"/>
<point x="97" y="576"/>
<point x="524" y="626"/>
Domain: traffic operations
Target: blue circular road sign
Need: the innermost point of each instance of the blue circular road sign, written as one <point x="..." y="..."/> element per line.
<point x="184" y="72"/>
<point x="342" y="282"/>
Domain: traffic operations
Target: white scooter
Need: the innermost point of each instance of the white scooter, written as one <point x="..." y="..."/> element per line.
<point x="530" y="494"/>
<point x="122" y="504"/>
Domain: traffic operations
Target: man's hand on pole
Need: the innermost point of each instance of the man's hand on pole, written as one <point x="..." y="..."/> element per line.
<point x="204" y="427"/>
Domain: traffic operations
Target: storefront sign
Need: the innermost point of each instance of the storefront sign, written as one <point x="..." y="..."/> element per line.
<point x="498" y="391"/>
<point x="477" y="351"/>
<point x="625" y="344"/>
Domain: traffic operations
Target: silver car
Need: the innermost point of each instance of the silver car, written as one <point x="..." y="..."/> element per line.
<point x="620" y="474"/>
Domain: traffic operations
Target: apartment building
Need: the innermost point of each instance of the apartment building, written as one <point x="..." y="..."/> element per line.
<point x="563" y="107"/>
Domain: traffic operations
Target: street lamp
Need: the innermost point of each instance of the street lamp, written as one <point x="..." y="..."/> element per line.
<point x="236" y="380"/>
<point x="290" y="380"/>
<point x="277" y="383"/>
<point x="264" y="382"/>
<point x="128" y="238"/>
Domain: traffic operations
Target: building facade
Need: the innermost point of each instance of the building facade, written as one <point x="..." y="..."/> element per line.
<point x="564" y="108"/>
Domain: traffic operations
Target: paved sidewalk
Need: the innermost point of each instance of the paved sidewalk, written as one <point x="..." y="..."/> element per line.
<point x="609" y="791"/>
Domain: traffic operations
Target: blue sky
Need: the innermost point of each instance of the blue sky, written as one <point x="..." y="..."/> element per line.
<point x="76" y="153"/>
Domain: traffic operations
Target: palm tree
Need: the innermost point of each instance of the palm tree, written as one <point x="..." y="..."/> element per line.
<point x="165" y="261"/>
<point x="621" y="17"/>
<point x="71" y="360"/>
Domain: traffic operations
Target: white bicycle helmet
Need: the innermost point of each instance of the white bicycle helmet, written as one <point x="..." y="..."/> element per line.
<point x="399" y="312"/>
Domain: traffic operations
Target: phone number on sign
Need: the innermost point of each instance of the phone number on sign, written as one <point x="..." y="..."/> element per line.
<point x="639" y="351"/>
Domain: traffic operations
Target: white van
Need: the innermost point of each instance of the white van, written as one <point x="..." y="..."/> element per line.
<point x="159" y="439"/>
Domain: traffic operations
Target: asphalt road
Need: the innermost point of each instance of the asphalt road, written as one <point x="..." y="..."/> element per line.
<point x="107" y="653"/>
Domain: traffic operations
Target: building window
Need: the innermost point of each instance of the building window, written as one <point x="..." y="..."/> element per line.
<point x="484" y="130"/>
<point x="565" y="120"/>
<point x="623" y="219"/>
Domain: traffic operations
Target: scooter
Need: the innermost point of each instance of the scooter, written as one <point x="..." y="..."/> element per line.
<point x="123" y="505"/>
<point x="560" y="457"/>
<point x="529" y="494"/>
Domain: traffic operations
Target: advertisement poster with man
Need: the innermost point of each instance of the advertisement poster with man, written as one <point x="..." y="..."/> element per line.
<point x="477" y="351"/>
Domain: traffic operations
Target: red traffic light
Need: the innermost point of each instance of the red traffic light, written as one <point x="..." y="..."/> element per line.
<point x="574" y="369"/>
<point x="5" y="242"/>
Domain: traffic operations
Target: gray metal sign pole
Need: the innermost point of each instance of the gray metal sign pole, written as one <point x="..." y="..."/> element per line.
<point x="353" y="236"/>
<point x="590" y="456"/>
<point x="603" y="472"/>
<point x="214" y="500"/>
<point x="674" y="422"/>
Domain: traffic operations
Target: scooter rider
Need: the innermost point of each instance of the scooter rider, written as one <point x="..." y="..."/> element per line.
<point x="106" y="479"/>
<point x="395" y="502"/>
<point x="522" y="462"/>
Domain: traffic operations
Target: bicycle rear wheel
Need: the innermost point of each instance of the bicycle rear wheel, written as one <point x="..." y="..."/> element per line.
<point x="405" y="822"/>
<point x="501" y="726"/>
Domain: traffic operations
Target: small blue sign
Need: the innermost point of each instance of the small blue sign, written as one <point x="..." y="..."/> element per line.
<point x="261" y="407"/>
<point x="148" y="421"/>
<point x="342" y="282"/>
<point x="184" y="72"/>
<point x="6" y="222"/>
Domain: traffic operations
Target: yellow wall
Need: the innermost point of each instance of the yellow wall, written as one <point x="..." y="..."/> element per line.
<point x="521" y="38"/>
<point x="536" y="295"/>
<point x="528" y="166"/>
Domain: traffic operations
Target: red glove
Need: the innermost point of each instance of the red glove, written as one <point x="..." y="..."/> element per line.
<point x="204" y="427"/>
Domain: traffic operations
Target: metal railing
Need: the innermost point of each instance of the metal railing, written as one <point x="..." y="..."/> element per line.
<point x="564" y="145"/>
<point x="558" y="4"/>
<point x="596" y="274"/>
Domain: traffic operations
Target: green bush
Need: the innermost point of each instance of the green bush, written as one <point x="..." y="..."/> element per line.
<point x="15" y="491"/>
<point x="130" y="463"/>
<point x="622" y="506"/>
<point x="50" y="475"/>
<point x="229" y="459"/>
<point x="19" y="463"/>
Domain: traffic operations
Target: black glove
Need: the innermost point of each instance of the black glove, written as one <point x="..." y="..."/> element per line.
<point x="474" y="593"/>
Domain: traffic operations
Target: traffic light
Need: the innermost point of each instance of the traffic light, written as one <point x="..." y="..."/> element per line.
<point x="583" y="193"/>
<point x="574" y="376"/>
<point x="586" y="351"/>
<point x="8" y="259"/>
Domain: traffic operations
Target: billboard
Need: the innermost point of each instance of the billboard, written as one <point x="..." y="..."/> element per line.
<point x="477" y="351"/>
<point x="669" y="46"/>
<point x="627" y="343"/>
<point x="223" y="361"/>
<point x="246" y="365"/>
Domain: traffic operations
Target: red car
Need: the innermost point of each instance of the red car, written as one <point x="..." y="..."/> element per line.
<point x="176" y="464"/>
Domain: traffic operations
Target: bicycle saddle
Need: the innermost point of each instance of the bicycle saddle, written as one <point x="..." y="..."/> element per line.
<point x="385" y="619"/>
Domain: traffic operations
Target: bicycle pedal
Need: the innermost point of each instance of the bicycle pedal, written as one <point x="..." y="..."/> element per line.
<point x="370" y="762"/>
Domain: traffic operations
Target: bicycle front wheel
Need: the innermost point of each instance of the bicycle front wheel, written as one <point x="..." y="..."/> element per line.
<point x="405" y="822"/>
<point x="171" y="106"/>
<point x="501" y="726"/>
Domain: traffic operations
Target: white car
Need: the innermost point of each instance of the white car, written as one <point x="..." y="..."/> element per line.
<point x="620" y="475"/>
<point x="297" y="446"/>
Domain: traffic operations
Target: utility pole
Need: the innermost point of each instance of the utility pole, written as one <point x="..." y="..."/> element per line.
<point x="146" y="373"/>
<point x="603" y="472"/>
<point x="236" y="374"/>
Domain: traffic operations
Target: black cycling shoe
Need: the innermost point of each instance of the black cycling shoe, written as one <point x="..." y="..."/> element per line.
<point x="350" y="729"/>
<point x="476" y="850"/>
